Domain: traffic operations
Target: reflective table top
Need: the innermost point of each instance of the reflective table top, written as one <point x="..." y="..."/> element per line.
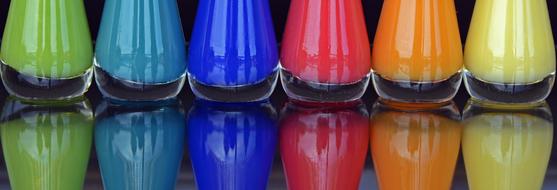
<point x="194" y="144"/>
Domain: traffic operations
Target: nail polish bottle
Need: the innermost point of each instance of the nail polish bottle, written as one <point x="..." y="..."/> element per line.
<point x="140" y="50"/>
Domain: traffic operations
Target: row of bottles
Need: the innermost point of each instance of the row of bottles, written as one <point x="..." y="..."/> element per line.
<point x="326" y="57"/>
<point x="233" y="146"/>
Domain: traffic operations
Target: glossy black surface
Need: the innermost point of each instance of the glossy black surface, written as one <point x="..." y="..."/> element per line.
<point x="277" y="180"/>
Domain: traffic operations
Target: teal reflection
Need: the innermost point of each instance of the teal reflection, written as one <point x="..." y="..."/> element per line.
<point x="139" y="145"/>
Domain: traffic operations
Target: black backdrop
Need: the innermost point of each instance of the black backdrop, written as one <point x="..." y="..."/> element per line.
<point x="280" y="12"/>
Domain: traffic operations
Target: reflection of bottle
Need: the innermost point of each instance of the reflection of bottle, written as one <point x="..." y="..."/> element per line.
<point x="417" y="54"/>
<point x="232" y="146"/>
<point x="324" y="147"/>
<point x="415" y="148"/>
<point x="506" y="148"/>
<point x="46" y="144"/>
<point x="510" y="52"/>
<point x="140" y="50"/>
<point x="47" y="51"/>
<point x="140" y="145"/>
<point x="325" y="51"/>
<point x="233" y="51"/>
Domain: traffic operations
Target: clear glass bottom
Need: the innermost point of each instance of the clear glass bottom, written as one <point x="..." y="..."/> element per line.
<point x="417" y="92"/>
<point x="508" y="93"/>
<point x="299" y="89"/>
<point x="41" y="88"/>
<point x="126" y="90"/>
<point x="243" y="93"/>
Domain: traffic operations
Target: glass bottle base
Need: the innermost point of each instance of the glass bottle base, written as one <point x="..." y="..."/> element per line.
<point x="301" y="90"/>
<point x="244" y="93"/>
<point x="508" y="93"/>
<point x="417" y="92"/>
<point x="40" y="88"/>
<point x="125" y="90"/>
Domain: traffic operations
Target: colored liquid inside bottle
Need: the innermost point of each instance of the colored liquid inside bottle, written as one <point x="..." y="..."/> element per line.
<point x="325" y="51"/>
<point x="46" y="145"/>
<point x="233" y="51"/>
<point x="324" y="147"/>
<point x="506" y="148"/>
<point x="140" y="145"/>
<point x="232" y="146"/>
<point x="415" y="149"/>
<point x="140" y="50"/>
<point x="510" y="51"/>
<point x="417" y="52"/>
<point x="46" y="52"/>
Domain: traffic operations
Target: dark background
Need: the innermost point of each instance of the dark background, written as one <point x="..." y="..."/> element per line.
<point x="279" y="12"/>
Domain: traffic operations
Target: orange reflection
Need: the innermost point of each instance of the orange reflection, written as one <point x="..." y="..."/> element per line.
<point x="413" y="148"/>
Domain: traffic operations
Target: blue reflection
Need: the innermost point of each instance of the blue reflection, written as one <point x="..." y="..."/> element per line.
<point x="140" y="145"/>
<point x="233" y="43"/>
<point x="232" y="145"/>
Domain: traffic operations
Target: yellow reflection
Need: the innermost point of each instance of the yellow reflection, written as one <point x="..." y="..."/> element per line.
<point x="506" y="148"/>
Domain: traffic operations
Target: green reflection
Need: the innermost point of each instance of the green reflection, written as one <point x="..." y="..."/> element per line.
<point x="46" y="145"/>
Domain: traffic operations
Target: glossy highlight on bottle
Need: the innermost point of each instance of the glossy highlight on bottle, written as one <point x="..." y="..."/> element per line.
<point x="140" y="145"/>
<point x="414" y="147"/>
<point x="46" y="52"/>
<point x="325" y="53"/>
<point x="506" y="147"/>
<point x="324" y="147"/>
<point x="46" y="145"/>
<point x="417" y="52"/>
<point x="232" y="145"/>
<point x="140" y="50"/>
<point x="510" y="51"/>
<point x="233" y="51"/>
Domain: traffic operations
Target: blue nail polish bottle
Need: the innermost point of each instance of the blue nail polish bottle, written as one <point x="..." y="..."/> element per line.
<point x="232" y="146"/>
<point x="233" y="51"/>
<point x="140" y="145"/>
<point x="140" y="50"/>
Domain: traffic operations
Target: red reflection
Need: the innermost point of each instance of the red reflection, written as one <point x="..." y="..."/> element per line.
<point x="323" y="148"/>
